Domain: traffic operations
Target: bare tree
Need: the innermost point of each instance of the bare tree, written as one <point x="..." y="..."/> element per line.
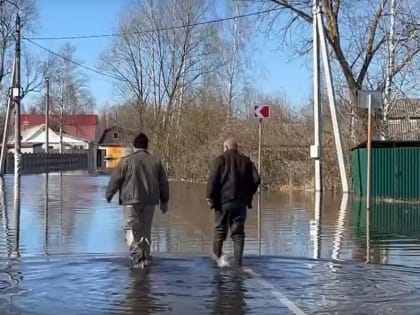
<point x="402" y="52"/>
<point x="159" y="69"/>
<point x="69" y="93"/>
<point x="239" y="31"/>
<point x="28" y="14"/>
<point x="355" y="36"/>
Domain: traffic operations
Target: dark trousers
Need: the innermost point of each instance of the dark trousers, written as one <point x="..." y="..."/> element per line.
<point x="231" y="217"/>
<point x="138" y="229"/>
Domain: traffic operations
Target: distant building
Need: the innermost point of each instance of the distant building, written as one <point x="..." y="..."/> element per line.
<point x="404" y="120"/>
<point x="78" y="126"/>
<point x="114" y="143"/>
<point x="26" y="147"/>
<point x="36" y="136"/>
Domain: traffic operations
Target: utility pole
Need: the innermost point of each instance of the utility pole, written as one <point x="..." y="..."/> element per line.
<point x="7" y="123"/>
<point x="316" y="154"/>
<point x="368" y="175"/>
<point x="61" y="129"/>
<point x="16" y="98"/>
<point x="332" y="102"/>
<point x="260" y="112"/>
<point x="47" y="113"/>
<point x="18" y="154"/>
<point x="259" y="187"/>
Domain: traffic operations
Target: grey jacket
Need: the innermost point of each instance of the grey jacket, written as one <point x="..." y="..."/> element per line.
<point x="140" y="179"/>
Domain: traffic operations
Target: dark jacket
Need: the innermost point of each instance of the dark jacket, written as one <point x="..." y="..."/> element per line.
<point x="233" y="177"/>
<point x="140" y="179"/>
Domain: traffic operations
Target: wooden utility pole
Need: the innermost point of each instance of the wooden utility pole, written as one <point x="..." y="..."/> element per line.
<point x="368" y="175"/>
<point x="259" y="187"/>
<point x="260" y="112"/>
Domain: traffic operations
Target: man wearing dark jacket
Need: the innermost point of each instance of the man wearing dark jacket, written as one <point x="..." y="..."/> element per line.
<point x="232" y="183"/>
<point x="142" y="184"/>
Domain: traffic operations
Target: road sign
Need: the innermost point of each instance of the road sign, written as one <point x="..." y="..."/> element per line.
<point x="375" y="98"/>
<point x="262" y="111"/>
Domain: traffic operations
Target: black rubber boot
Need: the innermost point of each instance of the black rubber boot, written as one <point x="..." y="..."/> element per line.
<point x="137" y="256"/>
<point x="238" y="249"/>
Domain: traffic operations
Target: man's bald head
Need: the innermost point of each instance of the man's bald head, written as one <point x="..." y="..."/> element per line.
<point x="230" y="144"/>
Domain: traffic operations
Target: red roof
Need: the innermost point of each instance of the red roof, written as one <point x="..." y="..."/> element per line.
<point x="80" y="126"/>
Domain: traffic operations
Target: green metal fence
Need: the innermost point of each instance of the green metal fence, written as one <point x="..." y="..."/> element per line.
<point x="395" y="169"/>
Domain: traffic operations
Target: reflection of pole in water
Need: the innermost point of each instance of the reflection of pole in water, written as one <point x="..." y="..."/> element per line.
<point x="316" y="226"/>
<point x="61" y="204"/>
<point x="338" y="237"/>
<point x="368" y="177"/>
<point x="16" y="203"/>
<point x="46" y="212"/>
<point x="5" y="216"/>
<point x="367" y="234"/>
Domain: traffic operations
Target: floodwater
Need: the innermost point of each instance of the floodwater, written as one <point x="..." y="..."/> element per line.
<point x="71" y="257"/>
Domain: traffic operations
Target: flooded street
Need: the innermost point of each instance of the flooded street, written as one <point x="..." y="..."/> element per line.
<point x="73" y="256"/>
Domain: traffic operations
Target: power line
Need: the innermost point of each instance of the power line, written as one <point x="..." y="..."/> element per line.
<point x="32" y="39"/>
<point x="158" y="29"/>
<point x="72" y="61"/>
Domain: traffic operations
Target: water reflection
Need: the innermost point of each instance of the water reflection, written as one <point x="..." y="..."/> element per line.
<point x="46" y="212"/>
<point x="67" y="213"/>
<point x="315" y="226"/>
<point x="141" y="298"/>
<point x="394" y="231"/>
<point x="17" y="209"/>
<point x="229" y="293"/>
<point x="340" y="228"/>
<point x="5" y="218"/>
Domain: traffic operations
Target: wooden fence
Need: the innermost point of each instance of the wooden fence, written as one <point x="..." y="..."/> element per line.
<point x="33" y="163"/>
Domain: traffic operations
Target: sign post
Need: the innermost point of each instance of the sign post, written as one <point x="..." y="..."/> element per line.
<point x="260" y="112"/>
<point x="369" y="99"/>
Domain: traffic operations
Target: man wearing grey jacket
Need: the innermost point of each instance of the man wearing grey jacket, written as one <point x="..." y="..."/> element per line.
<point x="142" y="183"/>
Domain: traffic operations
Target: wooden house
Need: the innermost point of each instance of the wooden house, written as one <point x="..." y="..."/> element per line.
<point x="404" y="120"/>
<point x="114" y="143"/>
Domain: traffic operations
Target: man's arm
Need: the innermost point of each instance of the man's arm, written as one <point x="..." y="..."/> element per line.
<point x="115" y="182"/>
<point x="256" y="179"/>
<point x="163" y="185"/>
<point x="213" y="184"/>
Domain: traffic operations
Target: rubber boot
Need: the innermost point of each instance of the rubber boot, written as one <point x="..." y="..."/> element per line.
<point x="145" y="249"/>
<point x="137" y="257"/>
<point x="217" y="248"/>
<point x="238" y="249"/>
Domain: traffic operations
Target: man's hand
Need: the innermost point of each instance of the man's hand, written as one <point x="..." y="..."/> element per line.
<point x="210" y="203"/>
<point x="164" y="207"/>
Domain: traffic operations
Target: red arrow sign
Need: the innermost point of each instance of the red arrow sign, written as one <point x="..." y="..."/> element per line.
<point x="262" y="111"/>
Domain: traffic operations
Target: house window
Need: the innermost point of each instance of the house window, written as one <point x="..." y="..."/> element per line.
<point x="115" y="135"/>
<point x="395" y="121"/>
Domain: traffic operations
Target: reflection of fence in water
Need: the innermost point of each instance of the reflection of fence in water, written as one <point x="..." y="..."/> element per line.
<point x="388" y="219"/>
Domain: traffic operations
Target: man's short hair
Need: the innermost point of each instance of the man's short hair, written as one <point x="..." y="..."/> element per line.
<point x="141" y="141"/>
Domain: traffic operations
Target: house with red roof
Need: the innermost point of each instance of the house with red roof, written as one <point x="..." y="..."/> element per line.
<point x="33" y="139"/>
<point x="78" y="126"/>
